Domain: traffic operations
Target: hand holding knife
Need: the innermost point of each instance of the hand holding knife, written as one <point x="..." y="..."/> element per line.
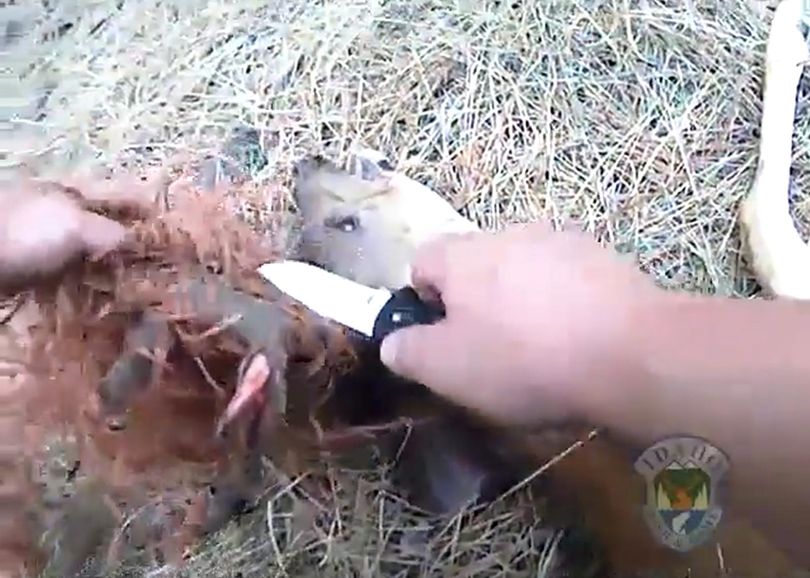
<point x="373" y="312"/>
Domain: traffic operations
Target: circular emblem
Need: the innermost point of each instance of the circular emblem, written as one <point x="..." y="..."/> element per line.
<point x="682" y="475"/>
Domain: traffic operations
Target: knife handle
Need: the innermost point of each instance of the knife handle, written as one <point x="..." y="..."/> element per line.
<point x="403" y="309"/>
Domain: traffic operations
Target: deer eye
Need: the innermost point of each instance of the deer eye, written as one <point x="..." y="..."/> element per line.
<point x="345" y="224"/>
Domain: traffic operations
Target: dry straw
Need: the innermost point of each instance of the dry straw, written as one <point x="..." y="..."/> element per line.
<point x="638" y="119"/>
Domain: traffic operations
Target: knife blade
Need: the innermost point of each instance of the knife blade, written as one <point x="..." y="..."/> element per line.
<point x="372" y="312"/>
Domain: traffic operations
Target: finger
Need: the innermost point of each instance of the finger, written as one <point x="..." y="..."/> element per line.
<point x="433" y="259"/>
<point x="426" y="354"/>
<point x="122" y="192"/>
<point x="400" y="350"/>
<point x="100" y="235"/>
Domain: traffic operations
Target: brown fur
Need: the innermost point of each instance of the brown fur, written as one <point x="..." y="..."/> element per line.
<point x="192" y="268"/>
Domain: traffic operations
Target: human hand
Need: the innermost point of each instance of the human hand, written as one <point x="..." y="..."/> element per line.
<point x="44" y="226"/>
<point x="535" y="320"/>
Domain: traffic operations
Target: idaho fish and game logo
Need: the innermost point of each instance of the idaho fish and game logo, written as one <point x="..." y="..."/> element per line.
<point x="682" y="475"/>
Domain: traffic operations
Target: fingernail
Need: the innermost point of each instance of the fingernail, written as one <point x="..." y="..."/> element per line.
<point x="388" y="349"/>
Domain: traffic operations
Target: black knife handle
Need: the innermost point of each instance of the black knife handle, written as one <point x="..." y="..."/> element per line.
<point x="405" y="308"/>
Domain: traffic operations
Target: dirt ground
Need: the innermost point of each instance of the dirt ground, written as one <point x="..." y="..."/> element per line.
<point x="637" y="119"/>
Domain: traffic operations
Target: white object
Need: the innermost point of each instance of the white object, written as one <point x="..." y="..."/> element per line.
<point x="780" y="258"/>
<point x="329" y="295"/>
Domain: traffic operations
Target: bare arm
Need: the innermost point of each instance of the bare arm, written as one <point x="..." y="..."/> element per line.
<point x="545" y="326"/>
<point x="736" y="373"/>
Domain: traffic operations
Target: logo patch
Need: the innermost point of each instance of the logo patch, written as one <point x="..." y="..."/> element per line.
<point x="682" y="475"/>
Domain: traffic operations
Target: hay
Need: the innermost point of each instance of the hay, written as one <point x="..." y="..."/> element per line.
<point x="637" y="119"/>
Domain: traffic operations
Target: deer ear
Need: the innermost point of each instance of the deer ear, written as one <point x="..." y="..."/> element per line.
<point x="369" y="164"/>
<point x="367" y="170"/>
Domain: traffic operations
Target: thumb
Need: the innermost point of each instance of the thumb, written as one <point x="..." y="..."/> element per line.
<point x="416" y="353"/>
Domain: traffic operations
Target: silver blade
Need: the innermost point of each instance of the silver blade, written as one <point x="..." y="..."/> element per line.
<point x="329" y="295"/>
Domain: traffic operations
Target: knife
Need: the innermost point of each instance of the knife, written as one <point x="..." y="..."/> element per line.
<point x="372" y="312"/>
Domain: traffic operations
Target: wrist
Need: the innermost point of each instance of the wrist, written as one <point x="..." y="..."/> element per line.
<point x="616" y="392"/>
<point x="681" y="350"/>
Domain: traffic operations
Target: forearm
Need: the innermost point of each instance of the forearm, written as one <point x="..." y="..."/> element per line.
<point x="736" y="373"/>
